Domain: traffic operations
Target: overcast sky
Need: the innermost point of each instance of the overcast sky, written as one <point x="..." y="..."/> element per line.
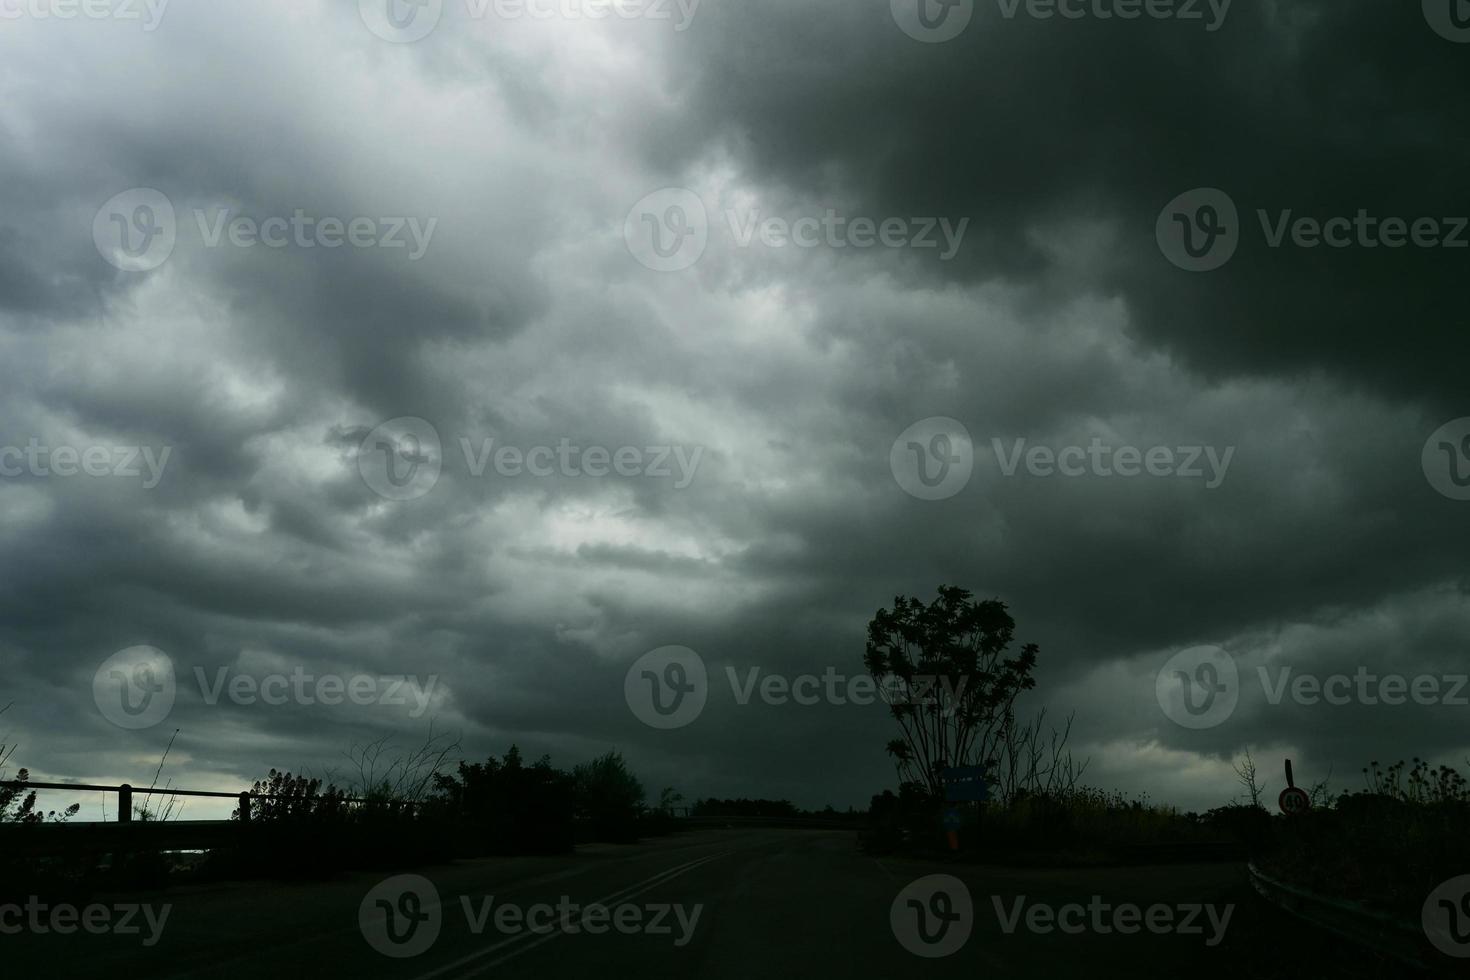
<point x="446" y="341"/>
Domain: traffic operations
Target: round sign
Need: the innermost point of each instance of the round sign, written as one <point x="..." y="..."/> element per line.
<point x="953" y="820"/>
<point x="1293" y="801"/>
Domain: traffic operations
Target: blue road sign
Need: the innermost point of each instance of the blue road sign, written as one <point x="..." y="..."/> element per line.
<point x="965" y="784"/>
<point x="953" y="819"/>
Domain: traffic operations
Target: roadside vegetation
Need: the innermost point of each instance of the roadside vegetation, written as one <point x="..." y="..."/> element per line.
<point x="409" y="810"/>
<point x="384" y="809"/>
<point x="954" y="682"/>
<point x="1386" y="845"/>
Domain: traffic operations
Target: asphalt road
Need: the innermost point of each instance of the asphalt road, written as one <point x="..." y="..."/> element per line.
<point x="713" y="904"/>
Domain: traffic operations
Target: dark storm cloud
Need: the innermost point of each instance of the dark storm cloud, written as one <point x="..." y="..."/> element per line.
<point x="1039" y="130"/>
<point x="528" y="322"/>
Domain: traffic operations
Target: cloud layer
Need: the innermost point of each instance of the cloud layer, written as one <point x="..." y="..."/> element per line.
<point x="773" y="375"/>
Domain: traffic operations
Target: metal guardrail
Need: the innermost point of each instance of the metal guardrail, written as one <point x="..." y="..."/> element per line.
<point x="1352" y="921"/>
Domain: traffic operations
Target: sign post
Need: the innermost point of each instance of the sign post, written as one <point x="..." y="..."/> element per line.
<point x="954" y="819"/>
<point x="1292" y="800"/>
<point x="965" y="784"/>
<point x="962" y="784"/>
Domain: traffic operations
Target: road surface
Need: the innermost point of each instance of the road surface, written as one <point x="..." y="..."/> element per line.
<point x="735" y="904"/>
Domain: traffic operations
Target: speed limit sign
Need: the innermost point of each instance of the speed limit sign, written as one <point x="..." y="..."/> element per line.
<point x="1293" y="801"/>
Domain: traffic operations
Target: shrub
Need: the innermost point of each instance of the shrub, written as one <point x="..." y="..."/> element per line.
<point x="609" y="798"/>
<point x="506" y="807"/>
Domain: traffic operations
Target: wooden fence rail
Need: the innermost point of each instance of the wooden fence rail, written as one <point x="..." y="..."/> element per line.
<point x="125" y="793"/>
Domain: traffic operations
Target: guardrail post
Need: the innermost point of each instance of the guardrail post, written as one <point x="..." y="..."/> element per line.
<point x="244" y="807"/>
<point x="125" y="803"/>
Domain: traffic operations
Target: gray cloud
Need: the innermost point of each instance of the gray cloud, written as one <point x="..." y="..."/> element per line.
<point x="528" y="321"/>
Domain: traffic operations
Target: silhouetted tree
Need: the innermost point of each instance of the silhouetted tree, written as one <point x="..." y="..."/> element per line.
<point x="609" y="797"/>
<point x="18" y="805"/>
<point x="510" y="807"/>
<point x="951" y="687"/>
<point x="668" y="799"/>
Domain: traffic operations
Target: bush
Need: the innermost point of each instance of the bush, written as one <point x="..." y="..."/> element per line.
<point x="298" y="828"/>
<point x="909" y="819"/>
<point x="609" y="798"/>
<point x="1387" y="845"/>
<point x="506" y="807"/>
